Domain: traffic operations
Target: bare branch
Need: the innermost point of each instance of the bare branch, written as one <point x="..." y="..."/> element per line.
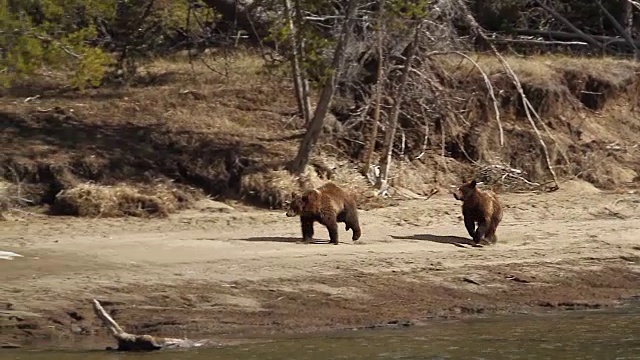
<point x="487" y="83"/>
<point x="64" y="48"/>
<point x="516" y="81"/>
<point x="540" y="42"/>
<point x="561" y="35"/>
<point x="562" y="19"/>
<point x="393" y="117"/>
<point x="620" y="29"/>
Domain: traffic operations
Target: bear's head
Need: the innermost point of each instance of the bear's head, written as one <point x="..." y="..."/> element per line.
<point x="465" y="191"/>
<point x="296" y="205"/>
<point x="300" y="202"/>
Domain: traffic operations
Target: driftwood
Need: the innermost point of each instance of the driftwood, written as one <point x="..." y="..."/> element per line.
<point x="131" y="342"/>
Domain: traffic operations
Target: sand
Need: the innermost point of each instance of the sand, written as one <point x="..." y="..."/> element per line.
<point x="231" y="272"/>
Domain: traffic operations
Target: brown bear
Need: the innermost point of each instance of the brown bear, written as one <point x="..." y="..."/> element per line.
<point x="482" y="207"/>
<point x="328" y="205"/>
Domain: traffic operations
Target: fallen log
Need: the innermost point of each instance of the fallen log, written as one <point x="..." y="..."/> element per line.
<point x="131" y="342"/>
<point x="566" y="36"/>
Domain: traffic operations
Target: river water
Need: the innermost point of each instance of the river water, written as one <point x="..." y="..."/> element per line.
<point x="594" y="334"/>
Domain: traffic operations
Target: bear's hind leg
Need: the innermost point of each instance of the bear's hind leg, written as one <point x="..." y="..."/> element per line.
<point x="332" y="227"/>
<point x="491" y="234"/>
<point x="307" y="229"/>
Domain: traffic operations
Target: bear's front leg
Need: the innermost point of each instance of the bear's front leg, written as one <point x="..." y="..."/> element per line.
<point x="353" y="224"/>
<point x="470" y="225"/>
<point x="480" y="233"/>
<point x="307" y="229"/>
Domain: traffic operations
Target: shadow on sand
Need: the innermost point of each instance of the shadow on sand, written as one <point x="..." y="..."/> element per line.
<point x="284" y="239"/>
<point x="453" y="240"/>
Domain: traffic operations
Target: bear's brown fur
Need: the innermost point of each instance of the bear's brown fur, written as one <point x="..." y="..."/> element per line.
<point x="328" y="205"/>
<point x="482" y="207"/>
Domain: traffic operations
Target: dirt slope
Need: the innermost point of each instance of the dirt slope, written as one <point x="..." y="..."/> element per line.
<point x="225" y="273"/>
<point x="181" y="131"/>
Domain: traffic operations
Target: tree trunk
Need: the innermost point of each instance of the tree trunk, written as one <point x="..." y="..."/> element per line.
<point x="304" y="80"/>
<point x="621" y="29"/>
<point x="587" y="38"/>
<point x="627" y="17"/>
<point x="295" y="59"/>
<point x="565" y="36"/>
<point x="315" y="126"/>
<point x="390" y="134"/>
<point x="373" y="134"/>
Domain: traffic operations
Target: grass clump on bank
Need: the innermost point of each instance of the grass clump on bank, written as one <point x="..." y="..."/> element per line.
<point x="92" y="200"/>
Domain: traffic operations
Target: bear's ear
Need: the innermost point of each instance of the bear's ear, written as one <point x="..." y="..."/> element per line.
<point x="473" y="183"/>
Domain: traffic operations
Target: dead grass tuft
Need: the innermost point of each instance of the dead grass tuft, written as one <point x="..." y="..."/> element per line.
<point x="274" y="187"/>
<point x="5" y="199"/>
<point x="421" y="177"/>
<point x="91" y="200"/>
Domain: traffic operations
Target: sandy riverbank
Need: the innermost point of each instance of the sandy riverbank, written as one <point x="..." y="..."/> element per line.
<point x="237" y="272"/>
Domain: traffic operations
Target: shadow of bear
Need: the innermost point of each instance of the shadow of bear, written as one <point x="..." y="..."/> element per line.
<point x="453" y="240"/>
<point x="282" y="239"/>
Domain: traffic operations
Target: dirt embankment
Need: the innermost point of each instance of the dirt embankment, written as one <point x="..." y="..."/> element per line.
<point x="178" y="133"/>
<point x="223" y="273"/>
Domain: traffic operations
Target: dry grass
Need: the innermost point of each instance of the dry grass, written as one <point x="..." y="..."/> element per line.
<point x="553" y="82"/>
<point x="274" y="187"/>
<point x="545" y="70"/>
<point x="91" y="200"/>
<point x="5" y="199"/>
<point x="174" y="121"/>
<point x="585" y="104"/>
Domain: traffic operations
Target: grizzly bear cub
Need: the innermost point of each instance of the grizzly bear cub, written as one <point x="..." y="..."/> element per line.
<point x="482" y="207"/>
<point x="328" y="205"/>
